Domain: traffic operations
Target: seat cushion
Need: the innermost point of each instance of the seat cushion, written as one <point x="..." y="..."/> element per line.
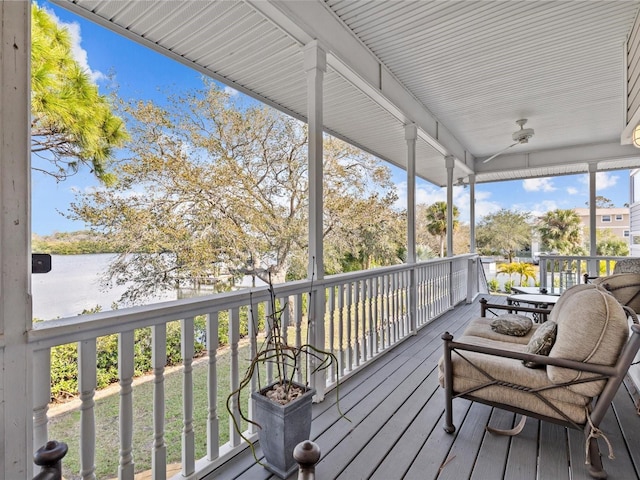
<point x="592" y="327"/>
<point x="511" y="371"/>
<point x="481" y="327"/>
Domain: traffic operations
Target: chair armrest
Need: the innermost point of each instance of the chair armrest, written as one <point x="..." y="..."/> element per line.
<point x="492" y="307"/>
<point x="451" y="345"/>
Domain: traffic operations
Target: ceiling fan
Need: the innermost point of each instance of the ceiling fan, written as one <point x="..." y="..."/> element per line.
<point x="520" y="136"/>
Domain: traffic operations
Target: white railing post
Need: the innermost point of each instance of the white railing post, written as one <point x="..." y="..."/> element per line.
<point x="213" y="427"/>
<point x="188" y="435"/>
<point x="234" y="373"/>
<point x="159" y="360"/>
<point x="125" y="372"/>
<point x="41" y="395"/>
<point x="87" y="380"/>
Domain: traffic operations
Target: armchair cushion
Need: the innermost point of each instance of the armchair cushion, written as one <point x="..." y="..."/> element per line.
<point x="512" y="324"/>
<point x="481" y="327"/>
<point x="511" y="371"/>
<point x="624" y="286"/>
<point x="592" y="327"/>
<point x="541" y="342"/>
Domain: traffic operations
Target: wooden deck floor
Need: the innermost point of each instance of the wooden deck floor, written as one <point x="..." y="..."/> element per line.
<point x="396" y="405"/>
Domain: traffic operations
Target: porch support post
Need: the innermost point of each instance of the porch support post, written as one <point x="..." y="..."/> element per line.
<point x="315" y="65"/>
<point x="16" y="443"/>
<point x="593" y="268"/>
<point x="472" y="213"/>
<point x="476" y="264"/>
<point x="410" y="135"/>
<point x="450" y="163"/>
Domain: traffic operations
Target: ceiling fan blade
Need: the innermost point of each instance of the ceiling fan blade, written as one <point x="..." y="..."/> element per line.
<point x="500" y="152"/>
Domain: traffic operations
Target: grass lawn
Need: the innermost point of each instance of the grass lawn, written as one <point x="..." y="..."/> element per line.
<point x="66" y="426"/>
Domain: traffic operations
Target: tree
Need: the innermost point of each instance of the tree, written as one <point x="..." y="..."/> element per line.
<point x="609" y="244"/>
<point x="71" y="123"/>
<point x="209" y="185"/>
<point x="504" y="232"/>
<point x="436" y="221"/>
<point x="561" y="231"/>
<point x="525" y="270"/>
<point x="602" y="202"/>
<point x="369" y="233"/>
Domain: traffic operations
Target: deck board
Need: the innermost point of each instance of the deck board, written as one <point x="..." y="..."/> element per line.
<point x="396" y="407"/>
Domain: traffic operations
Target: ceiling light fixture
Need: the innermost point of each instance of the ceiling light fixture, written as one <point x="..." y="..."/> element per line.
<point x="636" y="136"/>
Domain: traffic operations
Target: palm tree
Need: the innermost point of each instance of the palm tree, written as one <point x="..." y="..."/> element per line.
<point x="525" y="270"/>
<point x="436" y="216"/>
<point x="561" y="231"/>
<point x="508" y="269"/>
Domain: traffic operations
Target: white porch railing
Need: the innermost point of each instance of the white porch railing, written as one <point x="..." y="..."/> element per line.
<point x="559" y="272"/>
<point x="365" y="314"/>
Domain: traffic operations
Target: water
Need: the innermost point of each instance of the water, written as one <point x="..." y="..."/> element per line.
<point x="73" y="285"/>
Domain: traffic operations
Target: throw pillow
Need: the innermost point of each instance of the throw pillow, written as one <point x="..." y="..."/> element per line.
<point x="541" y="341"/>
<point x="512" y="324"/>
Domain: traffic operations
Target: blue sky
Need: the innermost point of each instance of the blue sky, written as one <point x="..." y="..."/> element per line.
<point x="141" y="73"/>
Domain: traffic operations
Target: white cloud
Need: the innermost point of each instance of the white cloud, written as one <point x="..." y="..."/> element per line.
<point x="232" y="92"/>
<point x="572" y="190"/>
<point x="427" y="194"/>
<point x="604" y="180"/>
<point x="79" y="53"/>
<point x="538" y="185"/>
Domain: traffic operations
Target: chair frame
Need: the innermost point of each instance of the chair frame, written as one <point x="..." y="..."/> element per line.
<point x="614" y="376"/>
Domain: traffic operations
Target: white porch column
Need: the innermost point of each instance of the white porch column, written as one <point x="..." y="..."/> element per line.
<point x="16" y="447"/>
<point x="315" y="65"/>
<point x="450" y="162"/>
<point x="472" y="213"/>
<point x="410" y="135"/>
<point x="593" y="168"/>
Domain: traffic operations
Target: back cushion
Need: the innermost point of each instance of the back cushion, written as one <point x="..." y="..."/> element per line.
<point x="592" y="328"/>
<point x="624" y="286"/>
<point x="555" y="316"/>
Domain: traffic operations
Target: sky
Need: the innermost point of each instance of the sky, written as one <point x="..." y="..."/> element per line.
<point x="140" y="73"/>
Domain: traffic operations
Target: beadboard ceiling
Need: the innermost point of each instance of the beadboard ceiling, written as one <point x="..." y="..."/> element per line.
<point x="462" y="71"/>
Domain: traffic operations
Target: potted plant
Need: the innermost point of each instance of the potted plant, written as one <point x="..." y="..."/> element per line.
<point x="282" y="408"/>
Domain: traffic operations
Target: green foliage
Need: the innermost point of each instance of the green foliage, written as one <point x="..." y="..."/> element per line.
<point x="71" y="123"/>
<point x="493" y="284"/>
<point x="504" y="232"/>
<point x="507" y="286"/>
<point x="209" y="183"/>
<point x="64" y="358"/>
<point x="72" y="243"/>
<point x="434" y="221"/>
<point x="608" y="244"/>
<point x="561" y="231"/>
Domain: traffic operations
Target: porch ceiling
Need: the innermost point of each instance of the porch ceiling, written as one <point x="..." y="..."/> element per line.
<point x="462" y="71"/>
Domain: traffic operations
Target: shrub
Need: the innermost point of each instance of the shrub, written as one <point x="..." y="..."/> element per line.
<point x="64" y="358"/>
<point x="507" y="286"/>
<point x="493" y="284"/>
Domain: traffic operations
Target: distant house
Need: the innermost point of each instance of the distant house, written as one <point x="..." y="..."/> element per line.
<point x="614" y="219"/>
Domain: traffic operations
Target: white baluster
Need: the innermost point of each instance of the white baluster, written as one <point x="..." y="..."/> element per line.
<point x="41" y="395"/>
<point x="159" y="359"/>
<point x="234" y="371"/>
<point x="253" y="346"/>
<point x="125" y="372"/>
<point x="188" y="435"/>
<point x="213" y="432"/>
<point x="341" y="359"/>
<point x="87" y="380"/>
